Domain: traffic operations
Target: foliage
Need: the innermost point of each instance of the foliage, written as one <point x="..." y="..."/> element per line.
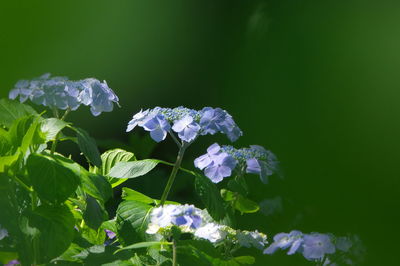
<point x="54" y="209"/>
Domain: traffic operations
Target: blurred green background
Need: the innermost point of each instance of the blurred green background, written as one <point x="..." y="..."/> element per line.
<point x="316" y="82"/>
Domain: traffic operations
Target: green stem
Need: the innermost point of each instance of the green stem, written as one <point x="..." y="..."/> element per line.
<point x="55" y="141"/>
<point x="174" y="253"/>
<point x="180" y="168"/>
<point x="173" y="174"/>
<point x="25" y="186"/>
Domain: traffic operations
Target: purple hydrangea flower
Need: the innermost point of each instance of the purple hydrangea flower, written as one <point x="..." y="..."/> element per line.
<point x="61" y="93"/>
<point x="317" y="245"/>
<point x="255" y="160"/>
<point x="99" y="96"/>
<point x="185" y="216"/>
<point x="189" y="123"/>
<point x="216" y="164"/>
<point x="283" y="241"/>
<point x="137" y="120"/>
<point x="188" y="218"/>
<point x="158" y="127"/>
<point x="222" y="166"/>
<point x="218" y="120"/>
<point x="110" y="234"/>
<point x="186" y="128"/>
<point x="206" y="159"/>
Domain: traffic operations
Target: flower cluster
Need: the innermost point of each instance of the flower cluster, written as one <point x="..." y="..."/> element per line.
<point x="220" y="161"/>
<point x="185" y="216"/>
<point x="187" y="123"/>
<point x="62" y="93"/>
<point x="313" y="246"/>
<point x="198" y="222"/>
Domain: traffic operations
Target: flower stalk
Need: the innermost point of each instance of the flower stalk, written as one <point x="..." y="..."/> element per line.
<point x="175" y="169"/>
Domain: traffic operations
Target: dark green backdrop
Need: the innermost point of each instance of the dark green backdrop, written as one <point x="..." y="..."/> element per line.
<point x="317" y="82"/>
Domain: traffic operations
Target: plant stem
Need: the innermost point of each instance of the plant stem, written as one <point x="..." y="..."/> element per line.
<point x="25" y="186"/>
<point x="174" y="253"/>
<point x="173" y="174"/>
<point x="55" y="141"/>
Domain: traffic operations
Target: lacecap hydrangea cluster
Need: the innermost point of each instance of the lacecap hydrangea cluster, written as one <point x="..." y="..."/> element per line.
<point x="199" y="223"/>
<point x="187" y="123"/>
<point x="220" y="161"/>
<point x="62" y="93"/>
<point x="317" y="246"/>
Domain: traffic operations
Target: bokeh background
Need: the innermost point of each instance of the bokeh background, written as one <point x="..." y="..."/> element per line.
<point x="316" y="82"/>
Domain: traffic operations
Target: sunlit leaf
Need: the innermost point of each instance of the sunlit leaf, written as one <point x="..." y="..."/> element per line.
<point x="13" y="110"/>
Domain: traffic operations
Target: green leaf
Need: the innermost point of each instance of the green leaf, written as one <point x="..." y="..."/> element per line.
<point x="13" y="110"/>
<point x="95" y="237"/>
<point x="53" y="177"/>
<point x="130" y="194"/>
<point x="6" y="256"/>
<point x="238" y="184"/>
<point x="7" y="161"/>
<point x="144" y="245"/>
<point x="132" y="221"/>
<point x="88" y="146"/>
<point x="201" y="252"/>
<point x="94" y="214"/>
<point x="23" y="133"/>
<point x="49" y="128"/>
<point x="210" y="197"/>
<point x="132" y="169"/>
<point x="112" y="157"/>
<point x="240" y="203"/>
<point x="56" y="226"/>
<point x="31" y="136"/>
<point x="110" y="225"/>
<point x="6" y="146"/>
<point x="96" y="186"/>
<point x="104" y="255"/>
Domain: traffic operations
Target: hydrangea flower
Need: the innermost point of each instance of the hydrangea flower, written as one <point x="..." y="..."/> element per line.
<point x="185" y="216"/>
<point x="187" y="123"/>
<point x="212" y="232"/>
<point x="110" y="234"/>
<point x="199" y="223"/>
<point x="62" y="93"/>
<point x="220" y="161"/>
<point x="251" y="239"/>
<point x="316" y="245"/>
<point x="216" y="163"/>
<point x="294" y="239"/>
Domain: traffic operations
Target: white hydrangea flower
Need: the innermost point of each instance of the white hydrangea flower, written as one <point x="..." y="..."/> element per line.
<point x="251" y="239"/>
<point x="212" y="232"/>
